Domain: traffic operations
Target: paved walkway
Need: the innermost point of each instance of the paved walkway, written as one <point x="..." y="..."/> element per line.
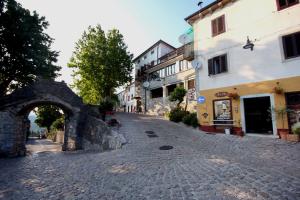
<point x="35" y="146"/>
<point x="200" y="166"/>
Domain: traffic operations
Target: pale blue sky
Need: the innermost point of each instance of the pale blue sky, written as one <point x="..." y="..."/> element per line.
<point x="142" y="22"/>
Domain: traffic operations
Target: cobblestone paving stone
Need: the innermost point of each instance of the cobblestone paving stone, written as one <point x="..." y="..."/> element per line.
<point x="200" y="166"/>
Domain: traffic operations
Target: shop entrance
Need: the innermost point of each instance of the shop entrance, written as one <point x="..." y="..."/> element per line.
<point x="257" y="116"/>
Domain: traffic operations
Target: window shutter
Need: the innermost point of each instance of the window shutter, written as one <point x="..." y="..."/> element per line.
<point x="297" y="39"/>
<point x="221" y="24"/>
<point x="214" y="27"/>
<point x="224" y="63"/>
<point x="210" y="67"/>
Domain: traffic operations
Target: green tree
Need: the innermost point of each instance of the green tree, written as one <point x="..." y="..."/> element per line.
<point x="178" y="95"/>
<point x="46" y="115"/>
<point x="100" y="64"/>
<point x="25" y="52"/>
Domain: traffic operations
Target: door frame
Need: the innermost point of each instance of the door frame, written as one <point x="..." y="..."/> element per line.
<point x="272" y="103"/>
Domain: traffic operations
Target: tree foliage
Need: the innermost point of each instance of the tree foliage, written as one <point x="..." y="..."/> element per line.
<point x="178" y="95"/>
<point x="100" y="64"/>
<point x="24" y="47"/>
<point x="46" y="115"/>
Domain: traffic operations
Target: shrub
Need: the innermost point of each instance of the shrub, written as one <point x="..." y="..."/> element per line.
<point x="191" y="120"/>
<point x="106" y="105"/>
<point x="178" y="95"/>
<point x="177" y="114"/>
<point x="296" y="128"/>
<point x="58" y="124"/>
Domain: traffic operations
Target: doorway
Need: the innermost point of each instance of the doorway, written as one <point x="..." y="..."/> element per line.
<point x="257" y="115"/>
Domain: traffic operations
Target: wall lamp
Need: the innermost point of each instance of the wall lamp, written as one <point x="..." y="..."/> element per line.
<point x="249" y="44"/>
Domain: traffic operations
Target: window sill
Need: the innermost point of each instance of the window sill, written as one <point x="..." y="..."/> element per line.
<point x="286" y="60"/>
<point x="216" y="75"/>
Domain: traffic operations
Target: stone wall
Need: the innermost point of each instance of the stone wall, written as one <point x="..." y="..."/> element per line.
<point x="83" y="127"/>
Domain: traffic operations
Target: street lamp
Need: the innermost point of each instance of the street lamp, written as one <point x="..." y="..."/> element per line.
<point x="146" y="85"/>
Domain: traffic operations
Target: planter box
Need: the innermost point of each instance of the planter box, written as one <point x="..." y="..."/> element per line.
<point x="292" y="137"/>
<point x="283" y="134"/>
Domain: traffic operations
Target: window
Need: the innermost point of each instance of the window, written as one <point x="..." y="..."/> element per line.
<point x="217" y="65"/>
<point x="218" y="25"/>
<point x="145" y="57"/>
<point x="181" y="65"/>
<point x="222" y="110"/>
<point x="152" y="52"/>
<point x="161" y="73"/>
<point x="171" y="88"/>
<point x="291" y="45"/>
<point x="157" y="93"/>
<point x="191" y="84"/>
<point x="138" y="61"/>
<point x="170" y="70"/>
<point x="282" y="4"/>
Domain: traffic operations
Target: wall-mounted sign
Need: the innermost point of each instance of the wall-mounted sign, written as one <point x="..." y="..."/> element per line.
<point x="221" y="94"/>
<point x="222" y="110"/>
<point x="201" y="99"/>
<point x="191" y="94"/>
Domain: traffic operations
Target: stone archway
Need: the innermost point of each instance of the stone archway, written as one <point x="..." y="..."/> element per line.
<point x="84" y="129"/>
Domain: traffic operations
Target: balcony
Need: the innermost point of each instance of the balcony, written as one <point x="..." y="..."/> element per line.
<point x="188" y="53"/>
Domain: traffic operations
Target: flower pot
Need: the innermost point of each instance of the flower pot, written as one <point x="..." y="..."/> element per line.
<point x="292" y="137"/>
<point x="239" y="133"/>
<point x="283" y="134"/>
<point x="278" y="90"/>
<point x="234" y="96"/>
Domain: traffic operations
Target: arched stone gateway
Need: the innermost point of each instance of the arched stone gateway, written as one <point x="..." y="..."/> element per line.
<point x="83" y="127"/>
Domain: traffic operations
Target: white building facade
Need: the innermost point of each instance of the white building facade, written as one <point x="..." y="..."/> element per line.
<point x="239" y="83"/>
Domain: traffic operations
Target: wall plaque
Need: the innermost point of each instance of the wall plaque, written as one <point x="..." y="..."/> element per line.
<point x="221" y="94"/>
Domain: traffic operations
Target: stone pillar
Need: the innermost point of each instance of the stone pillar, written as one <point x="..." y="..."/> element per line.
<point x="12" y="140"/>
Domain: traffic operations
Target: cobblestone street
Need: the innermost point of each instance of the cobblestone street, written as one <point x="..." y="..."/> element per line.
<point x="200" y="166"/>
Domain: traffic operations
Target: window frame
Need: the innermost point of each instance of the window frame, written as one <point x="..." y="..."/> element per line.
<point x="287" y="6"/>
<point x="283" y="43"/>
<point x="220" y="61"/>
<point x="213" y="26"/>
<point x="214" y="109"/>
<point x="159" y="88"/>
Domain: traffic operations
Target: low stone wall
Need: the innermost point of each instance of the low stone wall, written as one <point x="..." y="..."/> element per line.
<point x="59" y="137"/>
<point x="160" y="106"/>
<point x="98" y="136"/>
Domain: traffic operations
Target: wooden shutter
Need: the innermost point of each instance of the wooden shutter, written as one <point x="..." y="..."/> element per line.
<point x="221" y="24"/>
<point x="223" y="59"/>
<point x="214" y="28"/>
<point x="210" y="67"/>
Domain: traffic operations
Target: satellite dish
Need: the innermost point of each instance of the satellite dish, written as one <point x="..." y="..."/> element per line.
<point x="196" y="64"/>
<point x="186" y="38"/>
<point x="183" y="39"/>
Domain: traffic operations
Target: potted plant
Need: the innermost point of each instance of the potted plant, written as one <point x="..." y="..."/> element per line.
<point x="281" y="114"/>
<point x="278" y="89"/>
<point x="295" y="137"/>
<point x="238" y="131"/>
<point x="233" y="95"/>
